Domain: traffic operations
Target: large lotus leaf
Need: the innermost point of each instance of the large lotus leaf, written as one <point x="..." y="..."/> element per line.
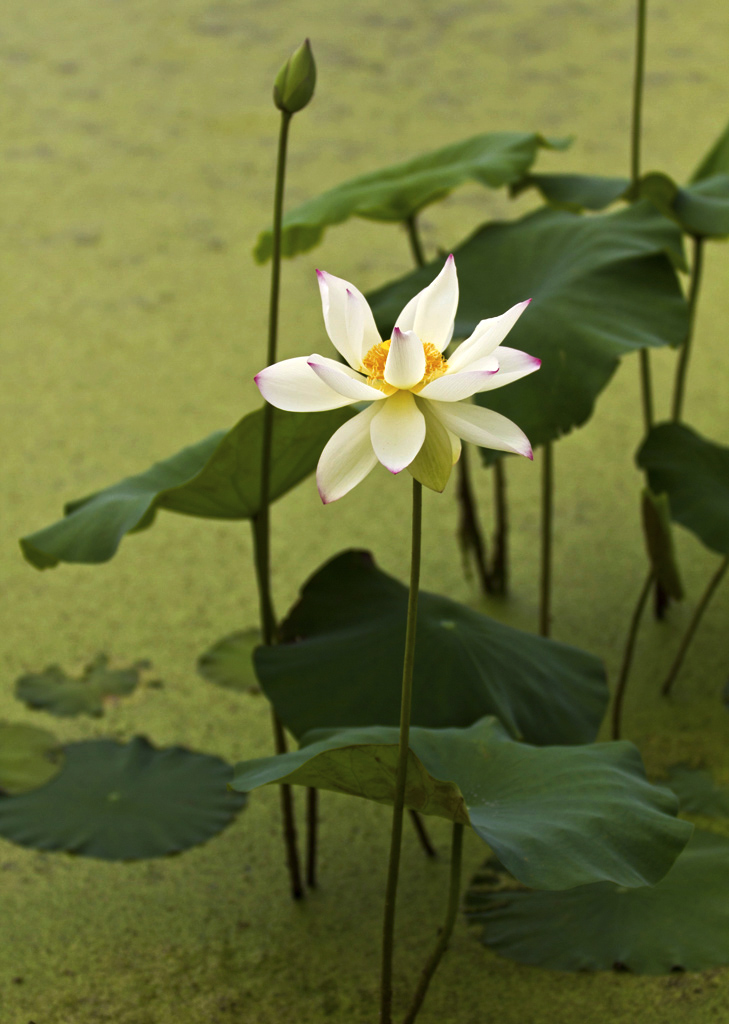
<point x="229" y="662"/>
<point x="218" y="478"/>
<point x="602" y="287"/>
<point x="396" y="193"/>
<point x="340" y="663"/>
<point x="575" y="191"/>
<point x="694" y="473"/>
<point x="700" y="208"/>
<point x="716" y="160"/>
<point x="124" y="802"/>
<point x="29" y="757"/>
<point x="555" y="816"/>
<point x="682" y="923"/>
<point x="53" y="691"/>
<point x="697" y="792"/>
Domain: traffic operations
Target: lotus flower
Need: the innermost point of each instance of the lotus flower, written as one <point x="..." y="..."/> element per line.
<point x="418" y="409"/>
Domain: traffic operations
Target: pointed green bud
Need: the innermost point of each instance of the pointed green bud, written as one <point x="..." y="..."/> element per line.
<point x="294" y="85"/>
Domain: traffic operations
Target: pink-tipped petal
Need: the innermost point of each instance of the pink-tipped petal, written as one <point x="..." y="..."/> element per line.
<point x="454" y="387"/>
<point x="344" y="381"/>
<point x="488" y="336"/>
<point x="397" y="431"/>
<point x="405" y="365"/>
<point x="347" y="457"/>
<point x="352" y="332"/>
<point x="431" y="313"/>
<point x="483" y="427"/>
<point x="513" y="365"/>
<point x="292" y="385"/>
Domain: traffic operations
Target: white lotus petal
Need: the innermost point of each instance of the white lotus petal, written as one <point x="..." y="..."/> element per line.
<point x="454" y="387"/>
<point x="405" y="365"/>
<point x="433" y="464"/>
<point x="483" y="427"/>
<point x="513" y="364"/>
<point x="346" y="310"/>
<point x="344" y="380"/>
<point x="431" y="313"/>
<point x="292" y="385"/>
<point x="397" y="431"/>
<point x="488" y="335"/>
<point x="347" y="458"/>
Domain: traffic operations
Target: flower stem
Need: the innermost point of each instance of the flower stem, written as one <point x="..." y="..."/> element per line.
<point x="261" y="522"/>
<point x="312" y="802"/>
<point x="469" y="534"/>
<point x="416" y="246"/>
<point x="635" y="140"/>
<point x="545" y="578"/>
<point x="499" y="574"/>
<point x="694" y="625"/>
<point x="388" y="928"/>
<point x="628" y="655"/>
<point x="446" y="931"/>
<point x="682" y="368"/>
<point x="422" y="834"/>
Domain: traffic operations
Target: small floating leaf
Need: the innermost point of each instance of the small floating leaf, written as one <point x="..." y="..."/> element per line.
<point x="29" y="757"/>
<point x="229" y="662"/>
<point x="53" y="691"/>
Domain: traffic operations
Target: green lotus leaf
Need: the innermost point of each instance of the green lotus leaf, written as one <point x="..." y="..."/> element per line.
<point x="29" y="757"/>
<point x="602" y="287"/>
<point x="218" y="478"/>
<point x="716" y="160"/>
<point x="53" y="691"/>
<point x="682" y="923"/>
<point x="700" y="208"/>
<point x="555" y="816"/>
<point x="398" y="192"/>
<point x="340" y="663"/>
<point x="575" y="192"/>
<point x="124" y="802"/>
<point x="694" y="473"/>
<point x="697" y="792"/>
<point x="229" y="662"/>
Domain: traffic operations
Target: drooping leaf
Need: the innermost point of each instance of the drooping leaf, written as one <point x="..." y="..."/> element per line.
<point x="29" y="757"/>
<point x="602" y="287"/>
<point x="124" y="802"/>
<point x="575" y="192"/>
<point x="555" y="816"/>
<point x="53" y="691"/>
<point x="700" y="208"/>
<point x="697" y="792"/>
<point x="229" y="662"/>
<point x="398" y="192"/>
<point x="218" y="478"/>
<point x="694" y="473"/>
<point x="340" y="663"/>
<point x="682" y="923"/>
<point x="659" y="541"/>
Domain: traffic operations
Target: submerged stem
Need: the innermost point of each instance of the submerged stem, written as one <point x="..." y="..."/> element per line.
<point x="628" y="656"/>
<point x="388" y="927"/>
<point x="682" y="368"/>
<point x="545" y="579"/>
<point x="694" y="625"/>
<point x="454" y="892"/>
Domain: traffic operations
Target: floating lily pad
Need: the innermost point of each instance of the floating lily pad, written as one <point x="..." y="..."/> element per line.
<point x="697" y="792"/>
<point x="682" y="923"/>
<point x="218" y="478"/>
<point x="29" y="757"/>
<point x="229" y="662"/>
<point x="694" y="473"/>
<point x="340" y="663"/>
<point x="602" y="287"/>
<point x="555" y="816"/>
<point x="53" y="691"/>
<point x="124" y="802"/>
<point x="396" y="193"/>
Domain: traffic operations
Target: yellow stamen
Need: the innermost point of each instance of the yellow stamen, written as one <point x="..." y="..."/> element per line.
<point x="374" y="364"/>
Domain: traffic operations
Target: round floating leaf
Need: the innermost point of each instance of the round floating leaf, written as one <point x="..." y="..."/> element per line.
<point x="229" y="662"/>
<point x="53" y="691"/>
<point x="218" y="478"/>
<point x="694" y="473"/>
<point x="682" y="923"/>
<point x="697" y="792"/>
<point x="555" y="816"/>
<point x="124" y="802"/>
<point x="602" y="287"/>
<point x="340" y="663"/>
<point x="29" y="757"/>
<point x="575" y="192"/>
<point x="396" y="193"/>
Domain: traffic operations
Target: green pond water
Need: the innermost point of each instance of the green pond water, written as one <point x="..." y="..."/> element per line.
<point x="137" y="145"/>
